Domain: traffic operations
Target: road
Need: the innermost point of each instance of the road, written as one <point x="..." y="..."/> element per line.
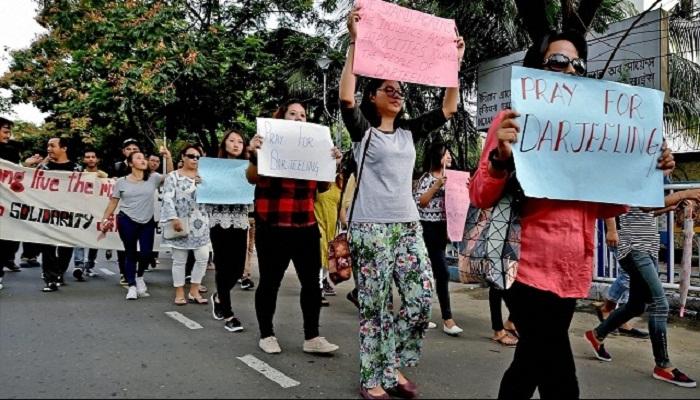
<point x="86" y="341"/>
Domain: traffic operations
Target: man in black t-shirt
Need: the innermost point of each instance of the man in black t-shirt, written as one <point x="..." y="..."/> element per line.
<point x="8" y="152"/>
<point x="56" y="259"/>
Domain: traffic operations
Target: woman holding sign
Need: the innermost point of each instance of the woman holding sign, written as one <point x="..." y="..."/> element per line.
<point x="229" y="239"/>
<point x="286" y="230"/>
<point x="386" y="237"/>
<point x="556" y="244"/>
<point x="430" y="197"/>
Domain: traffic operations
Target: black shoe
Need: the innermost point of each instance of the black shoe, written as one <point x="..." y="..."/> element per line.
<point x="78" y="275"/>
<point x="215" y="312"/>
<point x="60" y="282"/>
<point x="353" y="299"/>
<point x="50" y="287"/>
<point x="233" y="325"/>
<point x="247" y="284"/>
<point x="634" y="332"/>
<point x="328" y="289"/>
<point x="29" y="263"/>
<point x="13" y="267"/>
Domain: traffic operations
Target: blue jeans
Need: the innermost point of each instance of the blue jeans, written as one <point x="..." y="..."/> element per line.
<point x="645" y="288"/>
<point x="619" y="291"/>
<point x="134" y="234"/>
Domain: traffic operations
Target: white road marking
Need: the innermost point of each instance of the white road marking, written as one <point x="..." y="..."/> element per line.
<point x="107" y="272"/>
<point x="268" y="372"/>
<point x="183" y="320"/>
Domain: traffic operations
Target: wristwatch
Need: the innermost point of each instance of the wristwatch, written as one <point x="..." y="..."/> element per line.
<point x="501" y="165"/>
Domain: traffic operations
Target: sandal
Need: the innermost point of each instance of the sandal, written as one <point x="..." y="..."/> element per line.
<point x="513" y="333"/>
<point x="197" y="300"/>
<point x="180" y="301"/>
<point x="507" y="340"/>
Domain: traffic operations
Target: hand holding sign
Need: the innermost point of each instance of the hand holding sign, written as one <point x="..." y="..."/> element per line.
<point x="587" y="140"/>
<point x="294" y="149"/>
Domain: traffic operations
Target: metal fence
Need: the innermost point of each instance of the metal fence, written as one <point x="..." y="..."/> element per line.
<point x="605" y="268"/>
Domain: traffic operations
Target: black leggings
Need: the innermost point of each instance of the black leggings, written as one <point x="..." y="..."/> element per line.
<point x="543" y="357"/>
<point x="276" y="247"/>
<point x="495" y="297"/>
<point x="230" y="250"/>
<point x="435" y="236"/>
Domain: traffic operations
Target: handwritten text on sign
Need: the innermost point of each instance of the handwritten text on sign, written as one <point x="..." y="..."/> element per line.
<point x="401" y="44"/>
<point x="224" y="182"/>
<point x="587" y="139"/>
<point x="456" y="203"/>
<point x="293" y="149"/>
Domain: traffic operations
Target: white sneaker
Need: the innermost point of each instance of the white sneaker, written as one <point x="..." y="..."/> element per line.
<point x="132" y="294"/>
<point x="319" y="345"/>
<point x="141" y="288"/>
<point x="454" y="331"/>
<point x="432" y="325"/>
<point x="270" y="345"/>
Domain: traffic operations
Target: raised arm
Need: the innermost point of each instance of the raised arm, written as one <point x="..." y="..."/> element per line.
<point x="348" y="81"/>
<point x="449" y="103"/>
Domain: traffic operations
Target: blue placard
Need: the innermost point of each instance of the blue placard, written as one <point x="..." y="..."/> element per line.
<point x="587" y="139"/>
<point x="224" y="182"/>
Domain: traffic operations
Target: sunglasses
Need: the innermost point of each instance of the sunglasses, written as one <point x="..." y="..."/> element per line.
<point x="561" y="62"/>
<point x="392" y="92"/>
<point x="193" y="156"/>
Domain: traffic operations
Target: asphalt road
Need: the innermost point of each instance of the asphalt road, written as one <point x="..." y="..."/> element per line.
<point x="87" y="341"/>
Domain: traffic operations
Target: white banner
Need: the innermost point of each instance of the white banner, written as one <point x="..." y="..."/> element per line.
<point x="293" y="149"/>
<point x="55" y="207"/>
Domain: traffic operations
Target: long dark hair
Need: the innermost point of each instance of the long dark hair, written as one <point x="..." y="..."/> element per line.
<point x="369" y="109"/>
<point x="130" y="161"/>
<point x="282" y="110"/>
<point x="222" y="146"/>
<point x="433" y="157"/>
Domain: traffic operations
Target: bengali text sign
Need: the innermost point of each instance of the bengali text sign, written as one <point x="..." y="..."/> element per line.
<point x="587" y="139"/>
<point x="398" y="43"/>
<point x="224" y="182"/>
<point x="293" y="149"/>
<point x="456" y="203"/>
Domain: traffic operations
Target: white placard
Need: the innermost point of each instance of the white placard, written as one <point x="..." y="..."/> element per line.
<point x="297" y="150"/>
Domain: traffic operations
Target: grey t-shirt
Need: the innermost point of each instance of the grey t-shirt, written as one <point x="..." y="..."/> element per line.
<point x="385" y="194"/>
<point x="137" y="199"/>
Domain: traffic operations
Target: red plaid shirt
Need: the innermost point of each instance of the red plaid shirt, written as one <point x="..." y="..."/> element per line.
<point x="285" y="202"/>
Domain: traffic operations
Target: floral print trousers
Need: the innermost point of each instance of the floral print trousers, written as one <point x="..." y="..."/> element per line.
<point x="385" y="252"/>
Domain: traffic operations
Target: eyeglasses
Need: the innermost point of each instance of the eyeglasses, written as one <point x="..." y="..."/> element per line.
<point x="393" y="92"/>
<point x="561" y="62"/>
<point x="193" y="156"/>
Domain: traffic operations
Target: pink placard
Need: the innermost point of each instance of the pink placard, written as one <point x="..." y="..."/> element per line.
<point x="456" y="203"/>
<point x="397" y="43"/>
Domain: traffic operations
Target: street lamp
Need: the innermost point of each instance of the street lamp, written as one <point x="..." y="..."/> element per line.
<point x="324" y="62"/>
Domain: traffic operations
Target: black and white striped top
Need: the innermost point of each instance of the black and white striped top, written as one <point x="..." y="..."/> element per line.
<point x="638" y="231"/>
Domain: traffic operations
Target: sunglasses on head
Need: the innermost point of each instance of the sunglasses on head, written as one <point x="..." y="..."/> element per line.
<point x="193" y="156"/>
<point x="393" y="92"/>
<point x="561" y="62"/>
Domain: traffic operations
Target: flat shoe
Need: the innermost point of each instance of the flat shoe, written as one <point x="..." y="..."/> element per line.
<point x="407" y="390"/>
<point x="366" y="395"/>
<point x="180" y="301"/>
<point x="197" y="300"/>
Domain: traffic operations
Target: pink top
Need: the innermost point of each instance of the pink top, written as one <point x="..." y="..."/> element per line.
<point x="556" y="250"/>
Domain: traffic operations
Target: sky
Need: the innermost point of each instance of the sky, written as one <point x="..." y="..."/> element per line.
<point x="17" y="31"/>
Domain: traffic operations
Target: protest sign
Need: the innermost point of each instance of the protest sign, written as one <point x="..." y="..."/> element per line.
<point x="456" y="203"/>
<point x="587" y="139"/>
<point x="57" y="207"/>
<point x="293" y="149"/>
<point x="224" y="182"/>
<point x="401" y="44"/>
<point x="641" y="60"/>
